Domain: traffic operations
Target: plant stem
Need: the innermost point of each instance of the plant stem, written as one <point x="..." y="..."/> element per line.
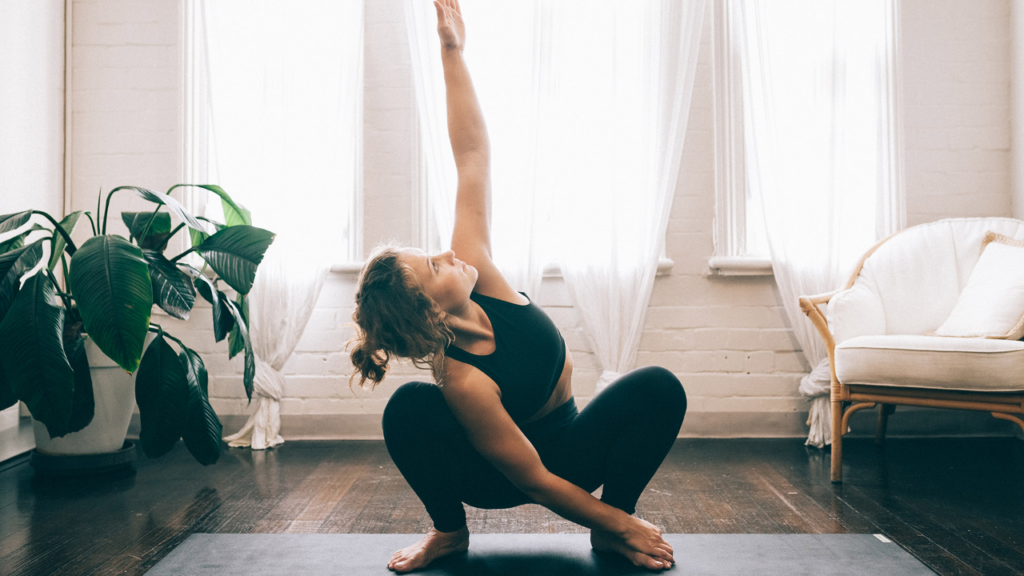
<point x="64" y="265"/>
<point x="149" y="224"/>
<point x="183" y="254"/>
<point x="160" y="330"/>
<point x="106" y="211"/>
<point x="59" y="229"/>
<point x="63" y="296"/>
<point x="91" y="222"/>
<point x="168" y="239"/>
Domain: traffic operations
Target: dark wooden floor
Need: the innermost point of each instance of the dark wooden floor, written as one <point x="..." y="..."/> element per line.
<point x="957" y="504"/>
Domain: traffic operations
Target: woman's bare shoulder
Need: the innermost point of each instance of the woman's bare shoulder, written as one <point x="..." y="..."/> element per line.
<point x="460" y="377"/>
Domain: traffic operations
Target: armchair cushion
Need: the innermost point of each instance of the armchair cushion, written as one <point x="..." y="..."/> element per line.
<point x="970" y="364"/>
<point x="911" y="284"/>
<point x="856" y="311"/>
<point x="992" y="303"/>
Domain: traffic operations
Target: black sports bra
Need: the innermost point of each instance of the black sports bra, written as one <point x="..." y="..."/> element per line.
<point x="528" y="357"/>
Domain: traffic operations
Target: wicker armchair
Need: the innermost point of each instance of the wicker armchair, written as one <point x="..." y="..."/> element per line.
<point x="877" y="331"/>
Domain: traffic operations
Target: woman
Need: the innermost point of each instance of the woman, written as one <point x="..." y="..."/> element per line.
<point x="500" y="428"/>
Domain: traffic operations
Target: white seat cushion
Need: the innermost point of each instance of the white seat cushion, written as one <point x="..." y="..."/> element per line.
<point x="970" y="364"/>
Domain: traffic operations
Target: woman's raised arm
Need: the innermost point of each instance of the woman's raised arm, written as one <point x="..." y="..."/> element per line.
<point x="471" y="238"/>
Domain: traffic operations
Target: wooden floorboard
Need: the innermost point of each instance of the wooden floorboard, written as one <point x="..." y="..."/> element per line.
<point x="956" y="504"/>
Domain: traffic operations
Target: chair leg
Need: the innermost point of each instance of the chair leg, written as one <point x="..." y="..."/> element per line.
<point x="837" y="441"/>
<point x="1011" y="418"/>
<point x="884" y="410"/>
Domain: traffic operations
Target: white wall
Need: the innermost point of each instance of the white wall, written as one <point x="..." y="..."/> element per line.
<point x="126" y="97"/>
<point x="31" y="115"/>
<point x="1017" y="105"/>
<point x="32" y="106"/>
<point x="725" y="338"/>
<point x="956" y="72"/>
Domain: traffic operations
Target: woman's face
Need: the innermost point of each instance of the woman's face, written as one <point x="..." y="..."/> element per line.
<point x="444" y="278"/>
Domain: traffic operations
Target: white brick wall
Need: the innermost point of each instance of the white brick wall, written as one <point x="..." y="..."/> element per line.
<point x="956" y="86"/>
<point x="126" y="94"/>
<point x="726" y="338"/>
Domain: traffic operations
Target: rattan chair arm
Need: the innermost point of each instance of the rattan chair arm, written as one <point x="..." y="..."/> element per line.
<point x="809" y="305"/>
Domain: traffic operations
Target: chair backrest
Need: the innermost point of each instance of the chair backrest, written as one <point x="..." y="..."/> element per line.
<point x="919" y="273"/>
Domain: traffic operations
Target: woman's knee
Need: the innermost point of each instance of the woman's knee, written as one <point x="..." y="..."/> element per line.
<point x="411" y="407"/>
<point x="663" y="388"/>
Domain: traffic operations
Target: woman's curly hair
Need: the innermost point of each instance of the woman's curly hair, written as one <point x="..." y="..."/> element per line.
<point x="394" y="317"/>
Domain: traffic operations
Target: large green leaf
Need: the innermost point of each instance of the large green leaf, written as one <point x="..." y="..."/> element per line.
<point x="235" y="342"/>
<point x="110" y="282"/>
<point x="14" y="221"/>
<point x="249" y="371"/>
<point x="137" y="222"/>
<point x="14" y="265"/>
<point x="234" y="254"/>
<point x="19" y="240"/>
<point x="234" y="213"/>
<point x="203" y="429"/>
<point x="14" y="243"/>
<point x="59" y="243"/>
<point x="172" y="288"/>
<point x="83" y="406"/>
<point x="172" y="205"/>
<point x="7" y="396"/>
<point x="161" y="391"/>
<point x="197" y="237"/>
<point x="195" y="369"/>
<point x="223" y="321"/>
<point x="32" y="354"/>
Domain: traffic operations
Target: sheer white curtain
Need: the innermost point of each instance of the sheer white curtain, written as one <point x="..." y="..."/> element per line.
<point x="821" y="142"/>
<point x="276" y="121"/>
<point x="586" y="105"/>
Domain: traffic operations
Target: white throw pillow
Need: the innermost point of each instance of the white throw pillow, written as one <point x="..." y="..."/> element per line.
<point x="992" y="303"/>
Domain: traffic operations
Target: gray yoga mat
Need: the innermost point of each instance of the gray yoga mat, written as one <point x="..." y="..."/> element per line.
<point x="538" y="555"/>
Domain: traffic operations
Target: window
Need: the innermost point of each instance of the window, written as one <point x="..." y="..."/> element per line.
<point x="582" y="102"/>
<point x="274" y="112"/>
<point x="741" y="245"/>
<point x="805" y="121"/>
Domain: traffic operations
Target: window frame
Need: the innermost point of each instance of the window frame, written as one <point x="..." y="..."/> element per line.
<point x="730" y="256"/>
<point x="194" y="122"/>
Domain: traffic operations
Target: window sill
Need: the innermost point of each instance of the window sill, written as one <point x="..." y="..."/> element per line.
<point x="740" y="266"/>
<point x="550" y="271"/>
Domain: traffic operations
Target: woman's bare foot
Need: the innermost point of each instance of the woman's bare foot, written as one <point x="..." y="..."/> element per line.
<point x="433" y="546"/>
<point x="607" y="542"/>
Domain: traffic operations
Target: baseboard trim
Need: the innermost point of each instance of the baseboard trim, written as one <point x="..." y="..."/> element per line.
<point x="907" y="422"/>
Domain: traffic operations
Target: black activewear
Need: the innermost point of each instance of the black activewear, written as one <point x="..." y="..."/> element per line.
<point x="528" y="358"/>
<point x="618" y="440"/>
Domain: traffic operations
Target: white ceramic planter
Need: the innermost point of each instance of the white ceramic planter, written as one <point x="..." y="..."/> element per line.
<point x="114" y="392"/>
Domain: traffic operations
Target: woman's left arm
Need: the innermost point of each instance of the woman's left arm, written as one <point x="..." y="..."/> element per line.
<point x="467" y="131"/>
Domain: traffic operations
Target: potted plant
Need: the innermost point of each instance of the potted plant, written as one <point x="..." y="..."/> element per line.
<point x="98" y="297"/>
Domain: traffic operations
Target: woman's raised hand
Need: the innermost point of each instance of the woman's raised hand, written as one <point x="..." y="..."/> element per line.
<point x="450" y="26"/>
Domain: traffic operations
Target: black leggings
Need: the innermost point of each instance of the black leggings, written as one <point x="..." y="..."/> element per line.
<point x="618" y="440"/>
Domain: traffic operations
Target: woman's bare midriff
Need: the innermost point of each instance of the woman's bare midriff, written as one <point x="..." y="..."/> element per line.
<point x="561" y="394"/>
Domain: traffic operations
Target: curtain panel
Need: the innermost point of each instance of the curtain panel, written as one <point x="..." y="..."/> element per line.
<point x="821" y="142"/>
<point x="275" y="118"/>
